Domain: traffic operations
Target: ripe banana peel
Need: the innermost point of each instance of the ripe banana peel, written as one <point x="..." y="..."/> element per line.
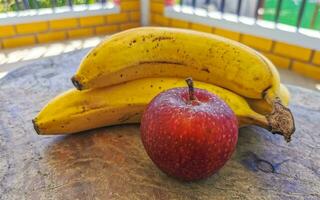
<point x="216" y="60"/>
<point x="169" y="52"/>
<point x="75" y="111"/>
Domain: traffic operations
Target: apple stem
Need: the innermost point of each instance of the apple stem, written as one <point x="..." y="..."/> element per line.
<point x="191" y="89"/>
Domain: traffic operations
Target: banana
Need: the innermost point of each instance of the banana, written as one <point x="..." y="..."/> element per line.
<point x="262" y="107"/>
<point x="177" y="52"/>
<point x="75" y="111"/>
<point x="169" y="52"/>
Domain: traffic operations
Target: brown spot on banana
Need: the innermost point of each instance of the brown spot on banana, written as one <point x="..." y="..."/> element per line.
<point x="160" y="62"/>
<point x="256" y="78"/>
<point x="132" y="42"/>
<point x="127" y="117"/>
<point x="205" y="69"/>
<point x="162" y="38"/>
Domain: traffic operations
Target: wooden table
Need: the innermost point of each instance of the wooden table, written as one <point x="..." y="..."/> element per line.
<point x="110" y="163"/>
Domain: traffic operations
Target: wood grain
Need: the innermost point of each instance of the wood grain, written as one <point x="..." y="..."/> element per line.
<point x="110" y="163"/>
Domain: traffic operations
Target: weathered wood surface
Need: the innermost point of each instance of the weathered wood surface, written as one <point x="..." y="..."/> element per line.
<point x="110" y="163"/>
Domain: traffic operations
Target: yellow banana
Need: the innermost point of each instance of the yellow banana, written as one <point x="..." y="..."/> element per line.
<point x="75" y="110"/>
<point x="176" y="52"/>
<point x="168" y="52"/>
<point x="262" y="107"/>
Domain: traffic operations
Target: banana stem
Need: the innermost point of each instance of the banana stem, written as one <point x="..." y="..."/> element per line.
<point x="281" y="120"/>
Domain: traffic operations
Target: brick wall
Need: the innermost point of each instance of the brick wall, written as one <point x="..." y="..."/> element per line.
<point x="49" y="31"/>
<point x="301" y="60"/>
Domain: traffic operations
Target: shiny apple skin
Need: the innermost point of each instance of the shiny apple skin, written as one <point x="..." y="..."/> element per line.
<point x="189" y="140"/>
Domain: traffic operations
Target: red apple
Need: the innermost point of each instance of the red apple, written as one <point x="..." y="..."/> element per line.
<point x="189" y="133"/>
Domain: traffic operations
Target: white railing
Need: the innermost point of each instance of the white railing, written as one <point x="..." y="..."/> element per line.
<point x="308" y="38"/>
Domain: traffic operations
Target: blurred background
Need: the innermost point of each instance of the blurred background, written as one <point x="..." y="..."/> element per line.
<point x="286" y="31"/>
<point x="267" y="10"/>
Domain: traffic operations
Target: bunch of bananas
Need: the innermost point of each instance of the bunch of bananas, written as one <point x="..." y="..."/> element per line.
<point x="118" y="78"/>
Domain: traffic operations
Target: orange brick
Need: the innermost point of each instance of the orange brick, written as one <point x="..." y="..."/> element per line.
<point x="316" y="58"/>
<point x="6" y="31"/>
<point x="80" y="32"/>
<point x="32" y="27"/>
<point x="153" y="20"/>
<point x="292" y="51"/>
<point x="200" y="27"/>
<point x="228" y="34"/>
<point x="129" y="25"/>
<point x="130" y="5"/>
<point x="134" y="16"/>
<point x="278" y="61"/>
<point x="18" y="41"/>
<point x="63" y="24"/>
<point x="52" y="36"/>
<point x="157" y="7"/>
<point x="308" y="70"/>
<point x="91" y="21"/>
<point x="160" y="20"/>
<point x="117" y="18"/>
<point x="179" y="23"/>
<point x="257" y="42"/>
<point x="107" y="29"/>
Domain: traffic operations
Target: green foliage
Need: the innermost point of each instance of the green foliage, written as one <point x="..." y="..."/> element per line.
<point x="289" y="12"/>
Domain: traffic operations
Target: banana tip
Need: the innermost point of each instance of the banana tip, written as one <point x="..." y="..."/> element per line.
<point x="76" y="83"/>
<point x="36" y="127"/>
